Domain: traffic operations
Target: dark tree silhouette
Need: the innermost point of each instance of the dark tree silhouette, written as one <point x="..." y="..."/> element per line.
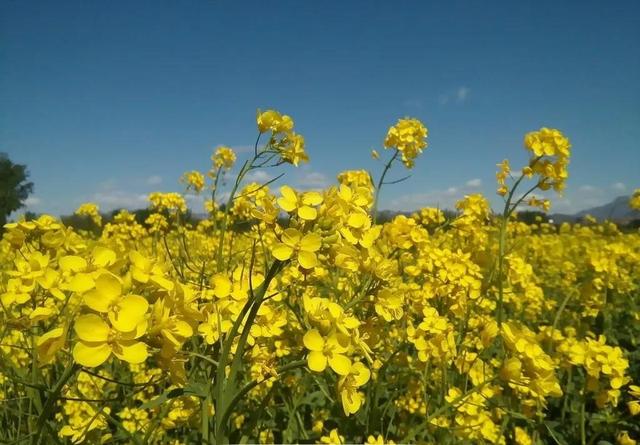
<point x="14" y="187"/>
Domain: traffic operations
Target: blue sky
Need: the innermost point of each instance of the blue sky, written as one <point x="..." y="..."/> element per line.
<point x="106" y="101"/>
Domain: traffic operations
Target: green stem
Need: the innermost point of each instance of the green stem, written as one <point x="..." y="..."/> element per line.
<point x="380" y="183"/>
<point x="249" y="386"/>
<point x="506" y="214"/>
<point x="47" y="409"/>
<point x="248" y="165"/>
<point x="224" y="385"/>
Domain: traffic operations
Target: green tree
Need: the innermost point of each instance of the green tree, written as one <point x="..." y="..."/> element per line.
<point x="14" y="187"/>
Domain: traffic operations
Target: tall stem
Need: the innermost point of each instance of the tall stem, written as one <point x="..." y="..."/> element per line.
<point x="248" y="165"/>
<point x="502" y="241"/>
<point x="47" y="409"/>
<point x="380" y="184"/>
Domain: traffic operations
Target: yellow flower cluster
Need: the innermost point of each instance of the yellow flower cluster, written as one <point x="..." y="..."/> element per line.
<point x="92" y="211"/>
<point x="223" y="158"/>
<point x="296" y="316"/>
<point x="287" y="143"/>
<point x="550" y="151"/>
<point x="171" y="202"/>
<point x="194" y="180"/>
<point x="409" y="137"/>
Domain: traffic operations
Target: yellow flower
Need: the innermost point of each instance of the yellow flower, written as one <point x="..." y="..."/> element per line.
<point x="291" y="149"/>
<point x="224" y="157"/>
<point x="172" y="202"/>
<point x="124" y="312"/>
<point x="409" y="136"/>
<point x="623" y="439"/>
<point x="323" y="351"/>
<point x="334" y="438"/>
<point x="348" y="385"/>
<point x="49" y="343"/>
<point x="98" y="341"/>
<point x="303" y="204"/>
<point x="92" y="211"/>
<point x="271" y="120"/>
<point x="294" y="244"/>
<point x="144" y="270"/>
<point x="379" y="440"/>
<point x="194" y="180"/>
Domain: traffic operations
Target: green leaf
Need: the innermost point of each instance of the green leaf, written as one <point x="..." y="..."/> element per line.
<point x="193" y="389"/>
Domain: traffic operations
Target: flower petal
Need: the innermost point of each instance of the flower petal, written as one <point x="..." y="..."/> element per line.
<point x="91" y="328"/>
<point x="221" y="286"/>
<point x="81" y="282"/>
<point x="72" y="263"/>
<point x="317" y="361"/>
<point x="288" y="193"/>
<point x="308" y="260"/>
<point x="311" y="242"/>
<point x="340" y="364"/>
<point x="307" y="213"/>
<point x="103" y="257"/>
<point x="291" y="237"/>
<point x="282" y="251"/>
<point x="312" y="198"/>
<point x="91" y="355"/>
<point x="131" y="311"/>
<point x="96" y="301"/>
<point x="132" y="352"/>
<point x="313" y="341"/>
<point x="109" y="285"/>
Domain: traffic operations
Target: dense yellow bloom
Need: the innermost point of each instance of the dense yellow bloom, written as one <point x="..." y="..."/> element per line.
<point x="303" y="205"/>
<point x="97" y="341"/>
<point x="92" y="211"/>
<point x="551" y="151"/>
<point x="326" y="351"/>
<point x="168" y="201"/>
<point x="294" y="244"/>
<point x="501" y="177"/>
<point x="409" y="136"/>
<point x="291" y="149"/>
<point x="459" y="327"/>
<point x="348" y="386"/>
<point x="271" y="120"/>
<point x="194" y="180"/>
<point x="223" y="158"/>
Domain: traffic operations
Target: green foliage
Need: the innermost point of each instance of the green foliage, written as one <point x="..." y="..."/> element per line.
<point x="14" y="187"/>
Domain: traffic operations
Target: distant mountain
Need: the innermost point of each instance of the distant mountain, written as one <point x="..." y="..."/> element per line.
<point x="617" y="210"/>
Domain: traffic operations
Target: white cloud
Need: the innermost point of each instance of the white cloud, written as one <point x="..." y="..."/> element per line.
<point x="259" y="176"/>
<point x="196" y="202"/>
<point x="587" y="188"/>
<point x="458" y="95"/>
<point x="442" y="198"/>
<point x="462" y="93"/>
<point x="312" y="180"/>
<point x="115" y="199"/>
<point x="619" y="187"/>
<point x="108" y="184"/>
<point x="154" y="180"/>
<point x="32" y="201"/>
